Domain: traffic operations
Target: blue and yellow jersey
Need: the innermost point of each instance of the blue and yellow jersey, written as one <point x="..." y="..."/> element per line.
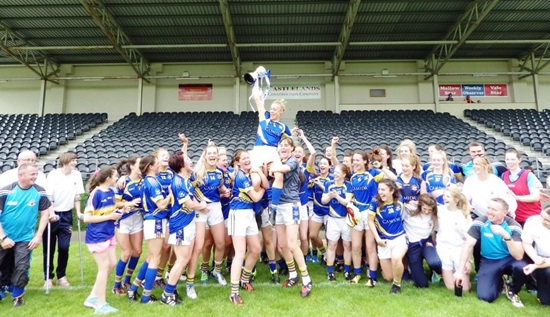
<point x="131" y="191"/>
<point x="180" y="215"/>
<point x="151" y="192"/>
<point x="269" y="132"/>
<point x="336" y="209"/>
<point x="165" y="179"/>
<point x="319" y="208"/>
<point x="437" y="181"/>
<point x="228" y="183"/>
<point x="242" y="185"/>
<point x="306" y="190"/>
<point x="100" y="203"/>
<point x="409" y="190"/>
<point x="364" y="187"/>
<point x="452" y="166"/>
<point x="388" y="219"/>
<point x="209" y="190"/>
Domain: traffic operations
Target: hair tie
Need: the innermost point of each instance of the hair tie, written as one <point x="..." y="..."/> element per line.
<point x="96" y="173"/>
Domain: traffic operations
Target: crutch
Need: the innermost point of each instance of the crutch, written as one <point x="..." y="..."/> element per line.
<point x="80" y="251"/>
<point x="48" y="258"/>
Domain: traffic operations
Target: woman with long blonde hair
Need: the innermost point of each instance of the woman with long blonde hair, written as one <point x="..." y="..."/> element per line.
<point x="453" y="222"/>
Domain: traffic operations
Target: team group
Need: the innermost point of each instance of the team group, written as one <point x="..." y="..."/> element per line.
<point x="392" y="213"/>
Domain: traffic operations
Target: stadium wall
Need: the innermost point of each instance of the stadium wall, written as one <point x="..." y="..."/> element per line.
<point x="95" y="88"/>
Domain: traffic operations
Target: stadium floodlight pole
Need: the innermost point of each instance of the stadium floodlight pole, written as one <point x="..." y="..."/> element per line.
<point x="48" y="258"/>
<point x="80" y="251"/>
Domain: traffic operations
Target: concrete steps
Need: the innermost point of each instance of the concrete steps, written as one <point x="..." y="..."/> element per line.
<point x="52" y="156"/>
<point x="510" y="142"/>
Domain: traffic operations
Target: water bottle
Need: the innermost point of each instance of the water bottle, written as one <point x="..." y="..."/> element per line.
<point x="295" y="213"/>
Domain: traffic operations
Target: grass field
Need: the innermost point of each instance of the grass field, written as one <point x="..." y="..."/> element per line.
<point x="327" y="299"/>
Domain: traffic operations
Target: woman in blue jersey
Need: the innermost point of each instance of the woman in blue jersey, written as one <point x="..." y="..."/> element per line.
<point x="308" y="169"/>
<point x="182" y="222"/>
<point x="129" y="229"/>
<point x="241" y="224"/>
<point x="155" y="202"/>
<point x="320" y="210"/>
<point x="338" y="195"/>
<point x="363" y="187"/>
<point x="288" y="216"/>
<point x="420" y="221"/>
<point x="164" y="177"/>
<point x="454" y="167"/>
<point x="209" y="187"/>
<point x="386" y="224"/>
<point x="438" y="177"/>
<point x="409" y="181"/>
<point x="100" y="234"/>
<point x="270" y="129"/>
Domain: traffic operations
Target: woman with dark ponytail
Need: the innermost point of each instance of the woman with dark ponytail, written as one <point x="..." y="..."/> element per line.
<point x="129" y="229"/>
<point x="101" y="215"/>
<point x="155" y="203"/>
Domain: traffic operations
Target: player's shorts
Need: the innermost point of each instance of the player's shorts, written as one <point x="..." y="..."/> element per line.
<point x="101" y="247"/>
<point x="131" y="224"/>
<point x="242" y="223"/>
<point x="184" y="236"/>
<point x="384" y="253"/>
<point x="155" y="229"/>
<point x="337" y="228"/>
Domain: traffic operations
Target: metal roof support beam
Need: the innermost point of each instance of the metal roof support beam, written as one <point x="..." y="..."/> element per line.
<point x="231" y="41"/>
<point x="116" y="35"/>
<point x="345" y="33"/>
<point x="38" y="62"/>
<point x="460" y="32"/>
<point x="536" y="63"/>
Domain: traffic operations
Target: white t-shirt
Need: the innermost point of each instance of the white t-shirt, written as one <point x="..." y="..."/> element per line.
<point x="418" y="227"/>
<point x="10" y="177"/>
<point x="480" y="192"/>
<point x="452" y="226"/>
<point x="534" y="231"/>
<point x="62" y="188"/>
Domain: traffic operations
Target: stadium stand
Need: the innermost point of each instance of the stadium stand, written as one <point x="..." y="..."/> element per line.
<point x="143" y="134"/>
<point x="41" y="134"/>
<point x="526" y="126"/>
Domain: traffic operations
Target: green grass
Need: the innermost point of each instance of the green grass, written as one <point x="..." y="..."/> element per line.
<point x="327" y="299"/>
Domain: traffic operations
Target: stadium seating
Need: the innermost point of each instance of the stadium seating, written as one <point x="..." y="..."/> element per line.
<point x="139" y="135"/>
<point x="41" y="134"/>
<point x="527" y="126"/>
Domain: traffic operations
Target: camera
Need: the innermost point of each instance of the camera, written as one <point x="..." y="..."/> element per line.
<point x="258" y="74"/>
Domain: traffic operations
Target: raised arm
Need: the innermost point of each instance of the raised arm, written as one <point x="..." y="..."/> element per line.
<point x="310" y="148"/>
<point x="334" y="156"/>
<point x="184" y="142"/>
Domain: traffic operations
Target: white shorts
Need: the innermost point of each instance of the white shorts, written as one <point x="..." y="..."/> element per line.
<point x="130" y="225"/>
<point x="309" y="205"/>
<point x="213" y="217"/>
<point x="263" y="153"/>
<point x="449" y="256"/>
<point x="337" y="228"/>
<point x="363" y="223"/>
<point x="319" y="219"/>
<point x="264" y="216"/>
<point x="184" y="236"/>
<point x="284" y="215"/>
<point x="384" y="253"/>
<point x="242" y="223"/>
<point x="304" y="213"/>
<point x="155" y="229"/>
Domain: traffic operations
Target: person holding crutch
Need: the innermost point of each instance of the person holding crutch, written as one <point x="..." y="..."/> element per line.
<point x="63" y="187"/>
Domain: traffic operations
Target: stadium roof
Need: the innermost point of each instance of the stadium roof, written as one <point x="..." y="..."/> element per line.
<point x="43" y="34"/>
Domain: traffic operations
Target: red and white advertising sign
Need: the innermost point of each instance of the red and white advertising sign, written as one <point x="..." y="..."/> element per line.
<point x="445" y="90"/>
<point x="195" y="92"/>
<point x="496" y="90"/>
